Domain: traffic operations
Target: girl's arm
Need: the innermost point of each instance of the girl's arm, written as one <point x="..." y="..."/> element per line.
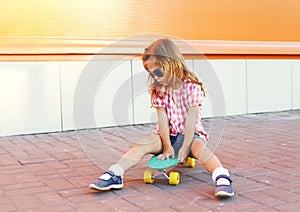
<point x="163" y="124"/>
<point x="190" y="121"/>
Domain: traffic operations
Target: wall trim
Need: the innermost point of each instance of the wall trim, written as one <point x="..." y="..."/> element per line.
<point x="16" y="48"/>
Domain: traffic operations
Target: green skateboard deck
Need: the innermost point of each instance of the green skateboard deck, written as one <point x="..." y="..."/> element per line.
<point x="157" y="164"/>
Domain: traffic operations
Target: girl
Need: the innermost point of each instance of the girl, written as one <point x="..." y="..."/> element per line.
<point x="177" y="95"/>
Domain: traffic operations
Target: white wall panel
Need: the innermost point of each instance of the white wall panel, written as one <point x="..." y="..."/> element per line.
<point x="269" y="85"/>
<point x="296" y="83"/>
<point x="70" y="73"/>
<point x="30" y="97"/>
<point x="143" y="113"/>
<point x="214" y="103"/>
<point x="101" y="90"/>
<point x="113" y="102"/>
<point x="190" y="64"/>
<point x="232" y="76"/>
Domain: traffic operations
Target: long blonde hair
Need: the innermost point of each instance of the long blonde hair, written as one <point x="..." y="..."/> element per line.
<point x="166" y="54"/>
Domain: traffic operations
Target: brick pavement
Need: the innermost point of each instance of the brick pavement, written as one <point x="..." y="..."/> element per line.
<point x="51" y="172"/>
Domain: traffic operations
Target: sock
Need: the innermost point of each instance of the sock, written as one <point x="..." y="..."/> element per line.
<point x="117" y="169"/>
<point x="220" y="171"/>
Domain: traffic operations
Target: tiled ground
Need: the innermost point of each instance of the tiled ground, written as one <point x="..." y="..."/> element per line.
<point x="51" y="172"/>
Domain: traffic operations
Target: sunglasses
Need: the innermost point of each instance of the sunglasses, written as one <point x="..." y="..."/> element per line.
<point x="157" y="73"/>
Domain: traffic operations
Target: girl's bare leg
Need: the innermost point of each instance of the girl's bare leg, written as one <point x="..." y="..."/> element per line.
<point x="112" y="179"/>
<point x="201" y="152"/>
<point x="212" y="164"/>
<point x="148" y="145"/>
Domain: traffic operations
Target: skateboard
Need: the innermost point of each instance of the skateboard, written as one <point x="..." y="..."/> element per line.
<point x="161" y="166"/>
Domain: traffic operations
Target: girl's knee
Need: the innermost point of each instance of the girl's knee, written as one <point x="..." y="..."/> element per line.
<point x="197" y="148"/>
<point x="148" y="140"/>
<point x="201" y="152"/>
<point x="150" y="144"/>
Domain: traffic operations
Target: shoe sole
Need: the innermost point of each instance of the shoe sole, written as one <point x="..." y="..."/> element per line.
<point x="93" y="186"/>
<point x="224" y="194"/>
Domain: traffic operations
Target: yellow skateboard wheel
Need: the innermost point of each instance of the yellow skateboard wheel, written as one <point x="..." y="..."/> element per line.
<point x="148" y="177"/>
<point x="174" y="178"/>
<point x="191" y="162"/>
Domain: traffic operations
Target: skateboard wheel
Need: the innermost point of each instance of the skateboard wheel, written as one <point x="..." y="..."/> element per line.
<point x="174" y="178"/>
<point x="191" y="162"/>
<point x="148" y="177"/>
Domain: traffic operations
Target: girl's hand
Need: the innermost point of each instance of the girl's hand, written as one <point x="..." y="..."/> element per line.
<point x="183" y="154"/>
<point x="167" y="154"/>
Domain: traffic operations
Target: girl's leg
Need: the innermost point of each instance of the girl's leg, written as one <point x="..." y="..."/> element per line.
<point x="201" y="152"/>
<point x="148" y="145"/>
<point x="113" y="178"/>
<point x="212" y="164"/>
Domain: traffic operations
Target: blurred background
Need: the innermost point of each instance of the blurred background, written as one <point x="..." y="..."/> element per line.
<point x="249" y="49"/>
<point x="268" y="20"/>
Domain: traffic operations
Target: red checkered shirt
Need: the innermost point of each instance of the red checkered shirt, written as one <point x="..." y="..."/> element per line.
<point x="176" y="103"/>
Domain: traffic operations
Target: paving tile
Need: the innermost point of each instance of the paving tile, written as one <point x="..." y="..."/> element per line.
<point x="25" y="177"/>
<point x="51" y="199"/>
<point x="241" y="206"/>
<point x="189" y="206"/>
<point x="268" y="180"/>
<point x="281" y="194"/>
<point x="255" y="186"/>
<point x="292" y="186"/>
<point x="26" y="202"/>
<point x="27" y="191"/>
<point x="91" y="196"/>
<point x="46" y="175"/>
<point x="251" y="170"/>
<point x="163" y="209"/>
<point x="90" y="171"/>
<point x="7" y="207"/>
<point x="6" y="204"/>
<point x="155" y="200"/>
<point x="79" y="181"/>
<point x="291" y="206"/>
<point x="59" y="184"/>
<point x="58" y="208"/>
<point x="76" y="191"/>
<point x="263" y="198"/>
<point x="191" y="194"/>
<point x="7" y="180"/>
<point x="35" y="167"/>
<point x="7" y="159"/>
<point x="22" y="185"/>
<point x="92" y="206"/>
<point x="136" y="187"/>
<point x="122" y="204"/>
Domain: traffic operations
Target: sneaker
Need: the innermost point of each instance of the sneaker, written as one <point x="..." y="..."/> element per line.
<point x="107" y="181"/>
<point x="224" y="190"/>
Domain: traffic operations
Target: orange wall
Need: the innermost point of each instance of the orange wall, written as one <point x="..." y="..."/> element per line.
<point x="255" y="20"/>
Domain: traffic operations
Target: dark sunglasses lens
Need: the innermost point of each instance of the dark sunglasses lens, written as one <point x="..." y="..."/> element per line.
<point x="158" y="73"/>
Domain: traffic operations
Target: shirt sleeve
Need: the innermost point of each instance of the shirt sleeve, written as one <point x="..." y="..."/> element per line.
<point x="195" y="95"/>
<point x="158" y="101"/>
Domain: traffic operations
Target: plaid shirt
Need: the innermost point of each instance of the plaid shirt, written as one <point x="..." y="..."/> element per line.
<point x="176" y="103"/>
